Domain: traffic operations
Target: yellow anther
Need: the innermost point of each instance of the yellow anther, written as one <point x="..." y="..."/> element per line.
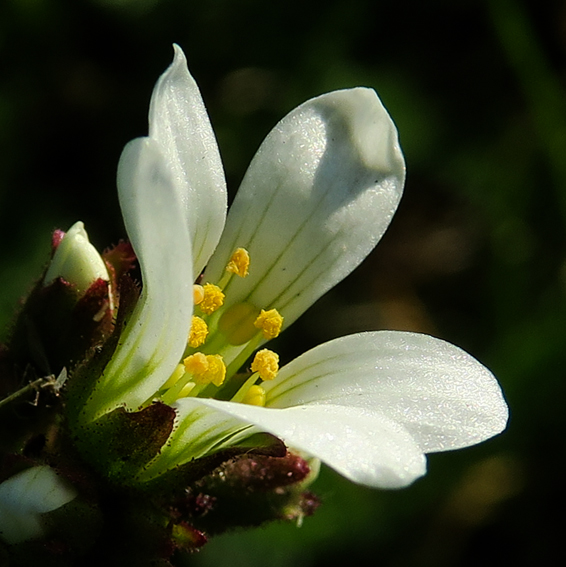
<point x="239" y="263"/>
<point x="270" y="323"/>
<point x="175" y="376"/>
<point x="213" y="298"/>
<point x="198" y="333"/>
<point x="266" y="364"/>
<point x="216" y="369"/>
<point x="255" y="396"/>
<point x="196" y="363"/>
<point x="206" y="368"/>
<point x="198" y="294"/>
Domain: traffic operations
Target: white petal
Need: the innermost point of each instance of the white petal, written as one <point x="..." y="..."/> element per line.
<point x="178" y="120"/>
<point x="27" y="494"/>
<point x="362" y="445"/>
<point x="445" y="398"/>
<point x="155" y="337"/>
<point x="317" y="197"/>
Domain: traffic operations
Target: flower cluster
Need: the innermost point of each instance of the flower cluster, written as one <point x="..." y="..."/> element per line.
<point x="316" y="199"/>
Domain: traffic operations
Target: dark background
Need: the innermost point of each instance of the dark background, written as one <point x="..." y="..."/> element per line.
<point x="475" y="255"/>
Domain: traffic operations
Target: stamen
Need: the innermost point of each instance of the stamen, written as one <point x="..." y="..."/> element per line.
<point x="175" y="376"/>
<point x="206" y="368"/>
<point x="196" y="363"/>
<point x="270" y="323"/>
<point x="213" y="298"/>
<point x="255" y="396"/>
<point x="198" y="294"/>
<point x="177" y="383"/>
<point x="266" y="364"/>
<point x="198" y="333"/>
<point x="239" y="263"/>
<point x="186" y="390"/>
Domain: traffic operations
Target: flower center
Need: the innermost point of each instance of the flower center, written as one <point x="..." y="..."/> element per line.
<point x="220" y="340"/>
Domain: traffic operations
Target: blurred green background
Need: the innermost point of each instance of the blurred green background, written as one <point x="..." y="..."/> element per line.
<point x="475" y="255"/>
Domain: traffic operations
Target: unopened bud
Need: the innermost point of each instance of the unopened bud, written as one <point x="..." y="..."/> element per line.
<point x="76" y="261"/>
<point x="27" y="495"/>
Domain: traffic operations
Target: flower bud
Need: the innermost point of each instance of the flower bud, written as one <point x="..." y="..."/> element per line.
<point x="27" y="495"/>
<point x="76" y="261"/>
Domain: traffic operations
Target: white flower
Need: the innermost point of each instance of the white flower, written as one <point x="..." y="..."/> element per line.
<point x="317" y="197"/>
<point x="27" y="495"/>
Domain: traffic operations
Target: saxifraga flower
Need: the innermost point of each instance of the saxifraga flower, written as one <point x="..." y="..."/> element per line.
<point x="316" y="199"/>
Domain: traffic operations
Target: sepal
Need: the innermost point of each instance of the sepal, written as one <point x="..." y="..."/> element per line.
<point x="54" y="330"/>
<point x="186" y="474"/>
<point x="83" y="382"/>
<point x="186" y="537"/>
<point x="120" y="443"/>
<point x="251" y="490"/>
